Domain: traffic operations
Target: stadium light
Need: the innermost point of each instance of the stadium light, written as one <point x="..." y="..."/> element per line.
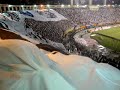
<point x="85" y="5"/>
<point x="77" y="5"/>
<point x="113" y="5"/>
<point x="62" y="5"/>
<point x="48" y="5"/>
<point x="9" y="5"/>
<point x="35" y="5"/>
<point x="68" y="5"/>
<point x="22" y="6"/>
<point x="98" y="5"/>
<point x="41" y="5"/>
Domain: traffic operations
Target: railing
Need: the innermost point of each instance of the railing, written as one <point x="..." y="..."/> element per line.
<point x="5" y="7"/>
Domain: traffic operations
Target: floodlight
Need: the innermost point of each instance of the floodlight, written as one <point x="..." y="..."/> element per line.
<point x="48" y="5"/>
<point x="41" y="5"/>
<point x="22" y="6"/>
<point x="9" y="5"/>
<point x="62" y="5"/>
<point x="35" y="5"/>
<point x="98" y="5"/>
<point x="77" y="5"/>
<point x="68" y="5"/>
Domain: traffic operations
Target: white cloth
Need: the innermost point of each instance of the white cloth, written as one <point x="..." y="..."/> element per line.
<point x="22" y="67"/>
<point x="86" y="74"/>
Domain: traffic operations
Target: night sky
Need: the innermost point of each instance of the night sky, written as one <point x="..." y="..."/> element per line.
<point x="53" y="2"/>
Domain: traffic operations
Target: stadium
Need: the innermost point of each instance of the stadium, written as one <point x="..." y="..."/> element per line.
<point x="71" y="46"/>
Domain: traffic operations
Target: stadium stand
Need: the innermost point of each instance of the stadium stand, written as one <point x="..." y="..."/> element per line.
<point x="52" y="30"/>
<point x="81" y="18"/>
<point x="103" y="16"/>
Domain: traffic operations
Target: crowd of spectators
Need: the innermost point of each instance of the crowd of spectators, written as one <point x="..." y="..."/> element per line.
<point x="86" y="16"/>
<point x="78" y="16"/>
<point x="52" y="30"/>
<point x="55" y="30"/>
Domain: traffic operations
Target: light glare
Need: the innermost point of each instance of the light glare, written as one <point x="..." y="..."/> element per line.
<point x="35" y="5"/>
<point x="22" y="6"/>
<point x="9" y="5"/>
<point x="62" y="5"/>
<point x="68" y="5"/>
<point x="48" y="5"/>
<point x="41" y="5"/>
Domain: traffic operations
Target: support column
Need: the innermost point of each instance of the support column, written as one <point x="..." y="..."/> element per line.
<point x="12" y="8"/>
<point x="90" y="2"/>
<point x="105" y="2"/>
<point x="71" y="2"/>
<point x="4" y="10"/>
<point x="0" y="9"/>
